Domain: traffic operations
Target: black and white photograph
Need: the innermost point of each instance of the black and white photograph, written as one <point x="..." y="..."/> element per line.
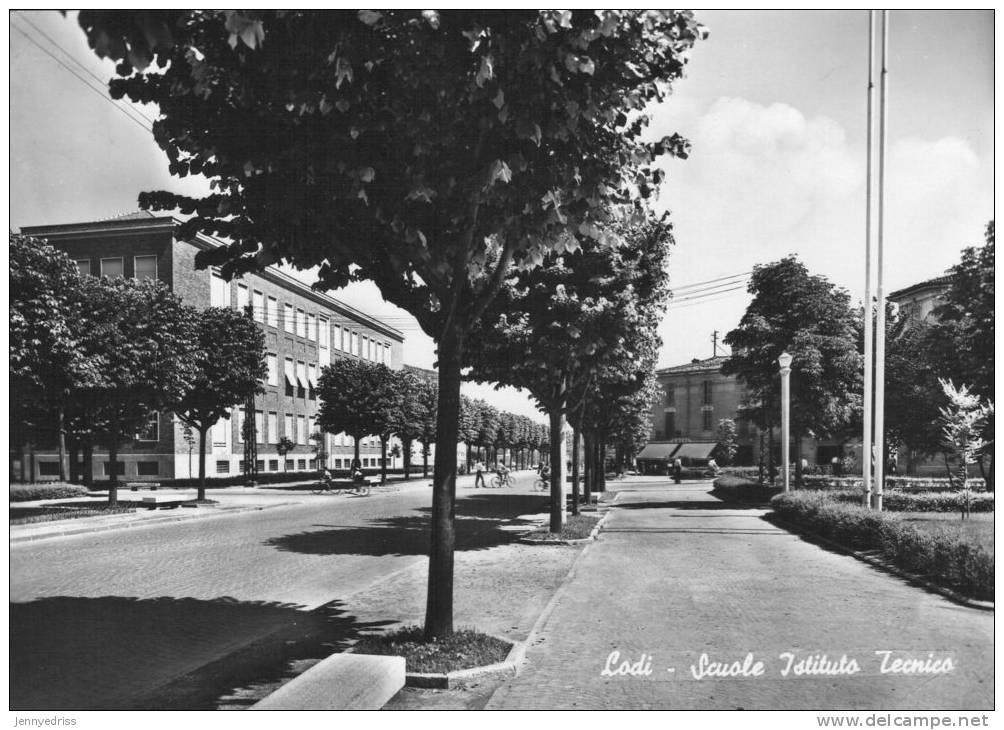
<point x="501" y="359"/>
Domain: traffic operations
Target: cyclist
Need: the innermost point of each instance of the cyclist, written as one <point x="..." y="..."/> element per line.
<point x="503" y="472"/>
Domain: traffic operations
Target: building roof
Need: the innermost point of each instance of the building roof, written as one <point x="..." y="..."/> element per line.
<point x="144" y="220"/>
<point x="711" y="364"/>
<point x="939" y="282"/>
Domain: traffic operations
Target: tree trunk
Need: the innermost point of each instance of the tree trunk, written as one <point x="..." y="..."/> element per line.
<point x="425" y="461"/>
<point x="771" y="469"/>
<point x="32" y="471"/>
<point x="557" y="475"/>
<point x="439" y="601"/>
<point x="88" y="449"/>
<point x="601" y="469"/>
<point x="355" y="452"/>
<point x="202" y="463"/>
<point x="73" y="452"/>
<point x="113" y="467"/>
<point x="576" y="436"/>
<point x="383" y="459"/>
<point x="798" y="459"/>
<point x="587" y="467"/>
<point x="406" y="455"/>
<point x="62" y="444"/>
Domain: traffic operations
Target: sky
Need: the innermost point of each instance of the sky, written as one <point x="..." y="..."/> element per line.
<point x="773" y="102"/>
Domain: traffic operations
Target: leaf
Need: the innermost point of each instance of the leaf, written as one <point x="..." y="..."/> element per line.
<point x="499" y="100"/>
<point x="367" y="174"/>
<point x="370" y="17"/>
<point x="485" y="72"/>
<point x="500" y="171"/>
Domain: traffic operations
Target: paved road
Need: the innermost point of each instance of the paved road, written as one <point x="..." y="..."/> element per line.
<point x="109" y="620"/>
<point x="677" y="574"/>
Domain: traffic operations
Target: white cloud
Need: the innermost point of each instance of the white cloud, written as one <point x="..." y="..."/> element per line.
<point x="764" y="181"/>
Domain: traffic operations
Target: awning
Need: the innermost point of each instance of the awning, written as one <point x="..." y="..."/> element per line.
<point x="660" y="452"/>
<point x="312" y="376"/>
<point x="695" y="451"/>
<point x="301" y="375"/>
<point x="290" y="376"/>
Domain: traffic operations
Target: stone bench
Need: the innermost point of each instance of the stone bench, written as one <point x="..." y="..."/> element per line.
<point x="341" y="682"/>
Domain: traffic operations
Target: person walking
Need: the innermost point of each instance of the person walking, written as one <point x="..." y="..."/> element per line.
<point x="479" y="475"/>
<point x="677" y="471"/>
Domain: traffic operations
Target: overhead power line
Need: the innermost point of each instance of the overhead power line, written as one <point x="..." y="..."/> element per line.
<point x="711" y="281"/>
<point x="706" y="295"/>
<point x="100" y="92"/>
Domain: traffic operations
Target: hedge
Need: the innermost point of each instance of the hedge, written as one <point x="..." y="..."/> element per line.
<point x="904" y="484"/>
<point x="740" y="489"/>
<point x="920" y="502"/>
<point x="45" y="490"/>
<point x="943" y="558"/>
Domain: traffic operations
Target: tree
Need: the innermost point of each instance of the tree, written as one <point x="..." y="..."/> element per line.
<point x="229" y="365"/>
<point x="962" y="424"/>
<point x="813" y="321"/>
<point x="142" y="341"/>
<point x="359" y="398"/>
<point x="412" y="418"/>
<point x="728" y="445"/>
<point x="427" y="395"/>
<point x="403" y="146"/>
<point x="286" y="445"/>
<point x="46" y="362"/>
<point x="581" y="321"/>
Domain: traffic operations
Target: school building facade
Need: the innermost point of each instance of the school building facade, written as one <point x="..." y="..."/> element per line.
<point x="304" y="331"/>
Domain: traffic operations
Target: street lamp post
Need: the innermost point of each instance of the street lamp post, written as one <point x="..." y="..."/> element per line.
<point x="785" y="362"/>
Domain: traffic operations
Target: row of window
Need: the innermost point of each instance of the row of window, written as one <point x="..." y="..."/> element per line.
<point x="296" y="428"/>
<point x="299" y="322"/>
<point x="297" y="374"/>
<point x="144" y="267"/>
<point x="152" y="468"/>
<point x="706" y="391"/>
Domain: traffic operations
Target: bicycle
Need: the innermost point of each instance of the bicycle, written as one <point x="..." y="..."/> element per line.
<point x="324" y="485"/>
<point x="500" y="480"/>
<point x="541" y="484"/>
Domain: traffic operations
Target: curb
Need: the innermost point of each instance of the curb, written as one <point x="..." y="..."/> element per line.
<point x="948" y="593"/>
<point x="507" y="667"/>
<point x="593" y="534"/>
<point x="129" y="524"/>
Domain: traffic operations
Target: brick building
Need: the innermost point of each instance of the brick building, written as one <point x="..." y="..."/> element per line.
<point x="304" y="330"/>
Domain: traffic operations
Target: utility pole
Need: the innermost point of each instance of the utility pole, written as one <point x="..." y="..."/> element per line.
<point x="880" y="295"/>
<point x="866" y="441"/>
<point x="250" y="430"/>
<point x="714" y="343"/>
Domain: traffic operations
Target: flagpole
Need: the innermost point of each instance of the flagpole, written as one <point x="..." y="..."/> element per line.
<point x="866" y="441"/>
<point x="880" y="296"/>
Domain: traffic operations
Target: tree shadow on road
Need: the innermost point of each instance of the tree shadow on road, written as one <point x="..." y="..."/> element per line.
<point x="478" y="519"/>
<point x="117" y="653"/>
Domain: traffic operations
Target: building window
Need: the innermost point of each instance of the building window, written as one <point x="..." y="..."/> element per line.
<point x="670" y="395"/>
<point x="147" y="468"/>
<point x="144" y="267"/>
<point x="258" y="303"/>
<point x="287" y="427"/>
<point x="289" y="465"/>
<point x="238" y="417"/>
<point x="273" y="465"/>
<point x="301" y="326"/>
<point x="386" y="353"/>
<point x="354" y="348"/>
<point x="301" y="430"/>
<point x="670" y="425"/>
<point x="323" y="333"/>
<point x="272" y="312"/>
<point x="366" y="348"/>
<point x="338" y="463"/>
<point x="301" y="375"/>
<point x="259" y="427"/>
<point x="311" y="327"/>
<point x="290" y="373"/>
<point x="706" y="418"/>
<point x="150" y="430"/>
<point x="310" y="426"/>
<point x="48" y="468"/>
<point x="707" y="392"/>
<point x="272" y="362"/>
<point x="119" y="468"/>
<point x="312" y="377"/>
<point x="243" y="299"/>
<point x="273" y="427"/>
<point x="301" y="464"/>
<point x="83" y="266"/>
<point x="112" y="267"/>
<point x="259" y="465"/>
<point x="287" y="317"/>
<point x="219" y="291"/>
<point x="223" y="466"/>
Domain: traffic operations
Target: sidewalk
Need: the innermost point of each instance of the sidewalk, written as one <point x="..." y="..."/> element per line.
<point x="677" y="574"/>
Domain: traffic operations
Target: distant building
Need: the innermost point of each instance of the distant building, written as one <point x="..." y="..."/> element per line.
<point x="919" y="301"/>
<point x="304" y="331"/>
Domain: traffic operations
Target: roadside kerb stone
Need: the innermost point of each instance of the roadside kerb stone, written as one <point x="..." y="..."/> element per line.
<point x="918" y="580"/>
<point x="593" y="534"/>
<point x="449" y="680"/>
<point x="341" y="682"/>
